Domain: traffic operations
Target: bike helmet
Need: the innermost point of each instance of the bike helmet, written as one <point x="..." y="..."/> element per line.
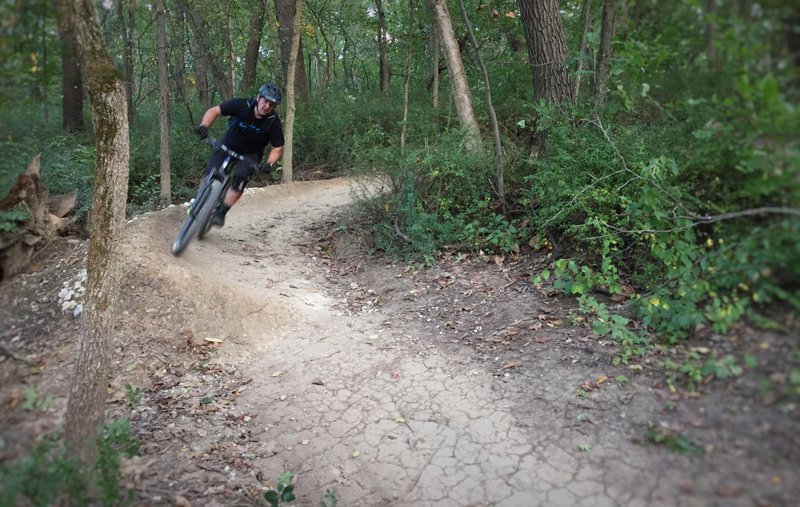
<point x="270" y="92"/>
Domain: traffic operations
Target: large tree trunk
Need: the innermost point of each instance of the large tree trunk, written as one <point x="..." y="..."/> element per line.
<point x="178" y="31"/>
<point x="384" y="58"/>
<point x="285" y="12"/>
<point x="253" y="46"/>
<point x="165" y="197"/>
<point x="604" y="58"/>
<point x="290" y="94"/>
<point x="547" y="49"/>
<point x="85" y="407"/>
<point x="230" y="72"/>
<point x="275" y="46"/>
<point x="462" y="96"/>
<point x="71" y="84"/>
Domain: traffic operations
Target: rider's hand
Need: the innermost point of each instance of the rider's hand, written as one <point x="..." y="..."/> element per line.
<point x="266" y="167"/>
<point x="201" y="131"/>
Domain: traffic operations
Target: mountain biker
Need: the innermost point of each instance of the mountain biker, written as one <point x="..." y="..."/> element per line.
<point x="252" y="126"/>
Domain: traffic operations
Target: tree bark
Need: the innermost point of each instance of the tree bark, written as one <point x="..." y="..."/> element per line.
<point x="285" y="10"/>
<point x="165" y="197"/>
<point x="71" y="83"/>
<point x="253" y="46"/>
<point x="547" y="49"/>
<point x="604" y="58"/>
<point x="275" y="46"/>
<point x="384" y="58"/>
<point x="290" y="92"/>
<point x="85" y="407"/>
<point x="462" y="96"/>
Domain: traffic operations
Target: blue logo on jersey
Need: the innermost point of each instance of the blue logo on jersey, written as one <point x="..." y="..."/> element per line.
<point x="249" y="126"/>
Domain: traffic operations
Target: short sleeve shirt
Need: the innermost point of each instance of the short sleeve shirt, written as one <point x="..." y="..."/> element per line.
<point x="247" y="134"/>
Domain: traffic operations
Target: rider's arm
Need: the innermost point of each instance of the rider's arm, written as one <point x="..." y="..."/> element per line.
<point x="274" y="155"/>
<point x="211" y="115"/>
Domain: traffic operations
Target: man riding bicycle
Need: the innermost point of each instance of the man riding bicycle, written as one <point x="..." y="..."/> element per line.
<point x="252" y="126"/>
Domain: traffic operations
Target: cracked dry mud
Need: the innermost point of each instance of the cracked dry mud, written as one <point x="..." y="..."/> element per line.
<point x="263" y="349"/>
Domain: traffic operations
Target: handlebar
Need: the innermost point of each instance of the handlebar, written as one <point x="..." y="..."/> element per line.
<point x="218" y="145"/>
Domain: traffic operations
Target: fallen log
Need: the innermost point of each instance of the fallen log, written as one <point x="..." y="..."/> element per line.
<point x="35" y="219"/>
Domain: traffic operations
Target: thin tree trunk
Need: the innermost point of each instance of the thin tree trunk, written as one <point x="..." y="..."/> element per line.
<point x="178" y="31"/>
<point x="127" y="50"/>
<point x="206" y="53"/>
<point x="462" y="96"/>
<point x="384" y="58"/>
<point x="285" y="13"/>
<point x="435" y="70"/>
<point x="71" y="83"/>
<point x="165" y="196"/>
<point x="85" y="407"/>
<point x="711" y="29"/>
<point x="275" y="46"/>
<point x="407" y="83"/>
<point x="498" y="144"/>
<point x="604" y="58"/>
<point x="253" y="46"/>
<point x="230" y="72"/>
<point x="585" y="17"/>
<point x="290" y="92"/>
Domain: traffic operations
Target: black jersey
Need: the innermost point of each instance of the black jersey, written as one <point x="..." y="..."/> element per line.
<point x="246" y="133"/>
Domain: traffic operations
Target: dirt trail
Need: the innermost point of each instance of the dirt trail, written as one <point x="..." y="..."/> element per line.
<point x="359" y="383"/>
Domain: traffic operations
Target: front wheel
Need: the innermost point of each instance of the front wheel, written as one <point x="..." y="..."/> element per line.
<point x="208" y="208"/>
<point x="206" y="199"/>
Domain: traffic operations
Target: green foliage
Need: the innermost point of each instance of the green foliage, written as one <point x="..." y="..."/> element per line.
<point x="34" y="401"/>
<point x="675" y="442"/>
<point x="329" y="500"/>
<point x="283" y="491"/>
<point x="10" y="220"/>
<point x="133" y="396"/>
<point x="48" y="475"/>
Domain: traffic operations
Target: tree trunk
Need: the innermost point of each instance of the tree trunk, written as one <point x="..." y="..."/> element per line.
<point x="106" y="90"/>
<point x="384" y="58"/>
<point x="127" y="50"/>
<point x="711" y="29"/>
<point x="586" y="10"/>
<point x="498" y="145"/>
<point x="71" y="84"/>
<point x="230" y="72"/>
<point x="435" y="71"/>
<point x="462" y="96"/>
<point x="290" y="93"/>
<point x="604" y="58"/>
<point x="178" y="31"/>
<point x="547" y="49"/>
<point x="285" y="13"/>
<point x="407" y="82"/>
<point x="275" y="46"/>
<point x="165" y="196"/>
<point x="253" y="46"/>
<point x="206" y="53"/>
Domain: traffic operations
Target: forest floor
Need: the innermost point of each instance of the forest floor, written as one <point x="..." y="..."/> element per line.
<point x="278" y="343"/>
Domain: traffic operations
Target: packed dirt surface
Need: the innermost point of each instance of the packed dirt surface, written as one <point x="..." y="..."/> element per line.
<point x="278" y="343"/>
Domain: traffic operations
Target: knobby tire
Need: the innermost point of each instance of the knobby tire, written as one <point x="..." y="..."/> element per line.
<point x="193" y="220"/>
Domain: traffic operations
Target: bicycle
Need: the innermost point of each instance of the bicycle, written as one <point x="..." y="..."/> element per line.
<point x="210" y="195"/>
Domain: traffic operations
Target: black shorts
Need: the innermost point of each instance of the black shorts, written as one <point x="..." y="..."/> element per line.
<point x="242" y="172"/>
